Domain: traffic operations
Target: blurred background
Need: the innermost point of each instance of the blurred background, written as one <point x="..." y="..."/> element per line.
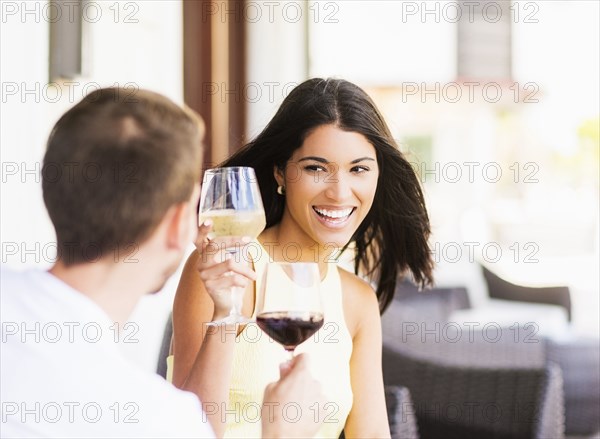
<point x="496" y="104"/>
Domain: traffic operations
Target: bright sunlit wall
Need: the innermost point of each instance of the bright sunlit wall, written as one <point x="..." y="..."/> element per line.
<point x="382" y="46"/>
<point x="538" y="219"/>
<point x="128" y="44"/>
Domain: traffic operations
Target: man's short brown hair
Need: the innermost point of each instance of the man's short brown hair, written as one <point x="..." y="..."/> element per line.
<point x="114" y="165"/>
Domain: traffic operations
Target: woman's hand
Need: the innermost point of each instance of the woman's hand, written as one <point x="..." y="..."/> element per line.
<point x="218" y="273"/>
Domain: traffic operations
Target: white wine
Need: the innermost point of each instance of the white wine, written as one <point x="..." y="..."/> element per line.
<point x="231" y="222"/>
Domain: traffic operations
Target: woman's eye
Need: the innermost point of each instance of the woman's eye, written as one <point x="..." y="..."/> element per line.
<point x="315" y="168"/>
<point x="359" y="169"/>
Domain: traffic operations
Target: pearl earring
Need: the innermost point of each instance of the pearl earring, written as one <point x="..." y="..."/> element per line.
<point x="280" y="190"/>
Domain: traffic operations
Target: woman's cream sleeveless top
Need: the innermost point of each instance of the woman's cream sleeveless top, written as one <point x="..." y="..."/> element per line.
<point x="257" y="357"/>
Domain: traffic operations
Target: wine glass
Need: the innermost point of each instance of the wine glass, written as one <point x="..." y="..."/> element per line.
<point x="231" y="199"/>
<point x="290" y="308"/>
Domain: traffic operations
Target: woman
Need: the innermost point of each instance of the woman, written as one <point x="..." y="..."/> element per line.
<point x="330" y="175"/>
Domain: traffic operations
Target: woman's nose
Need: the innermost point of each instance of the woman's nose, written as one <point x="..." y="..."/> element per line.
<point x="338" y="187"/>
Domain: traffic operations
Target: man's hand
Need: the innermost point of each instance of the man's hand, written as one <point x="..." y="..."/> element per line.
<point x="293" y="406"/>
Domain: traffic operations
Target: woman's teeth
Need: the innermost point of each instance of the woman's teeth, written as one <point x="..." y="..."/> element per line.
<point x="334" y="213"/>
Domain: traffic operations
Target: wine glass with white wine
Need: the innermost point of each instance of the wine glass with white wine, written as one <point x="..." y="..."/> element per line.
<point x="231" y="199"/>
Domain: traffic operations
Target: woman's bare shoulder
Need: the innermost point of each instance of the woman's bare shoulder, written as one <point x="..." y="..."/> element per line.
<point x="355" y="286"/>
<point x="359" y="299"/>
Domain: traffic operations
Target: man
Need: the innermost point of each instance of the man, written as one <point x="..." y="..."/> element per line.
<point x="121" y="185"/>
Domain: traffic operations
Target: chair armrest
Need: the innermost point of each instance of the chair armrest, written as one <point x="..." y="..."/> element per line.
<point x="550" y="421"/>
<point x="579" y="361"/>
<point x="501" y="289"/>
<point x="401" y="413"/>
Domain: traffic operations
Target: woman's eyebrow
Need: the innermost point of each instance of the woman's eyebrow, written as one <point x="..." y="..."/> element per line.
<point x="325" y="161"/>
<point x="314" y="158"/>
<point x="361" y="159"/>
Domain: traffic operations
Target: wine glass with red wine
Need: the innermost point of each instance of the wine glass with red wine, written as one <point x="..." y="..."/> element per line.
<point x="290" y="308"/>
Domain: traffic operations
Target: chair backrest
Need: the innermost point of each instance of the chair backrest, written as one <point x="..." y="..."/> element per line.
<point x="165" y="348"/>
<point x="502" y="289"/>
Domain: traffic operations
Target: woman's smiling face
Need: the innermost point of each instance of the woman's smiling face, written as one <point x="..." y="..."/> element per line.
<point x="330" y="184"/>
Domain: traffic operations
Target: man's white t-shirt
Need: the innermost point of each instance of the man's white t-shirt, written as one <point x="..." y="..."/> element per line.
<point x="63" y="374"/>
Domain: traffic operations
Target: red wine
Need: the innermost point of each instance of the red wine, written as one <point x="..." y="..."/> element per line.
<point x="287" y="328"/>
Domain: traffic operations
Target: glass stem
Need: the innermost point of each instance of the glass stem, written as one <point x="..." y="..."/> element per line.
<point x="290" y="355"/>
<point x="237" y="293"/>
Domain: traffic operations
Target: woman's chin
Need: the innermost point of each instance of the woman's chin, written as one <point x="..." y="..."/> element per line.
<point x="334" y="243"/>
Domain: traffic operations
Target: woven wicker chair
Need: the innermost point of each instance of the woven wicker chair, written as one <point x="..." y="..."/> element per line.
<point x="479" y="402"/>
<point x="414" y="319"/>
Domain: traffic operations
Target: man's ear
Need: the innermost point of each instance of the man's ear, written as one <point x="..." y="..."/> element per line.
<point x="177" y="226"/>
<point x="279" y="175"/>
<point x="181" y="222"/>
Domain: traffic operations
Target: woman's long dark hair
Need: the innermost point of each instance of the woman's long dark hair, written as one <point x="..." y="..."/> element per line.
<point x="393" y="237"/>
